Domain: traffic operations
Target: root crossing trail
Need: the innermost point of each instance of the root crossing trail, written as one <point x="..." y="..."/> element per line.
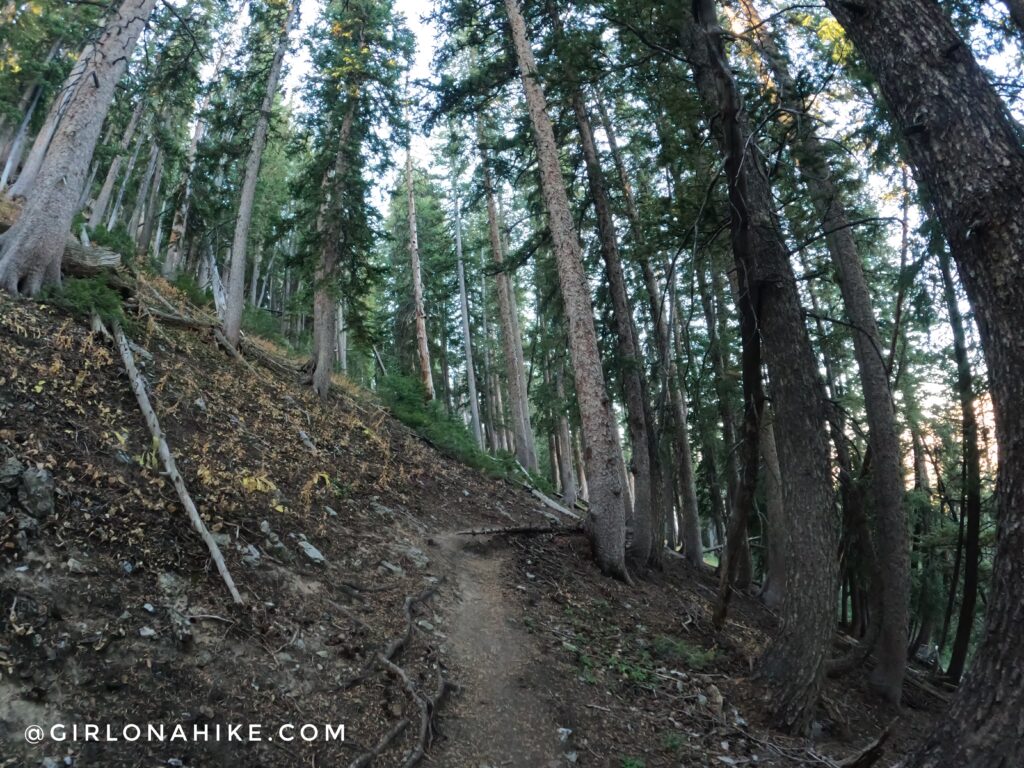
<point x="500" y="718"/>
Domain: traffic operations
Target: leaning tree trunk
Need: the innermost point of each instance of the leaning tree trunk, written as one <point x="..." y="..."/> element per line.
<point x="247" y="197"/>
<point x="87" y="62"/>
<point x="16" y="146"/>
<point x="968" y="157"/>
<point x="672" y="382"/>
<point x="99" y="208"/>
<point x="422" y="345"/>
<point x="794" y="663"/>
<point x="646" y="523"/>
<point x="972" y="477"/>
<point x="886" y="480"/>
<point x="508" y="314"/>
<point x="31" y="250"/>
<point x="606" y="521"/>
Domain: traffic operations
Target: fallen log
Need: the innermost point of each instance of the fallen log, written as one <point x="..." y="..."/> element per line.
<point x="170" y="467"/>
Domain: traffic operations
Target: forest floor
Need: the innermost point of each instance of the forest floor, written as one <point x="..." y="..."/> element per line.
<point x="341" y="529"/>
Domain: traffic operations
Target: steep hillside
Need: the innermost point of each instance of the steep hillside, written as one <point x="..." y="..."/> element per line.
<point x="363" y="604"/>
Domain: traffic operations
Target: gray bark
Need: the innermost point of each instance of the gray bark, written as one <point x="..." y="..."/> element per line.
<point x="31" y="250"/>
<point x="606" y="522"/>
<point x="247" y="197"/>
<point x="422" y="345"/>
<point x="99" y="208"/>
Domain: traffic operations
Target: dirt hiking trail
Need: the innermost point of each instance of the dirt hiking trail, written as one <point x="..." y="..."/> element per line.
<point x="500" y="717"/>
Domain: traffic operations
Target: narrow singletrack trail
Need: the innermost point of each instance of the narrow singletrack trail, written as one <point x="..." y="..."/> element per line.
<point x="500" y="717"/>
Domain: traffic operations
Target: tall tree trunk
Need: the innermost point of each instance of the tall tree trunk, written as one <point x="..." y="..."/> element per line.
<point x="154" y="212"/>
<point x="779" y="546"/>
<point x="115" y="210"/>
<point x="971" y="473"/>
<point x="142" y="194"/>
<point x="17" y="144"/>
<point x="671" y="379"/>
<point x="31" y="250"/>
<point x="422" y="346"/>
<point x="886" y="472"/>
<point x="508" y="314"/>
<point x="247" y="197"/>
<point x="87" y="62"/>
<point x="793" y="665"/>
<point x="325" y="301"/>
<point x="646" y="531"/>
<point x="99" y="208"/>
<point x="467" y="337"/>
<point x="967" y="155"/>
<point x="570" y="490"/>
<point x="606" y="522"/>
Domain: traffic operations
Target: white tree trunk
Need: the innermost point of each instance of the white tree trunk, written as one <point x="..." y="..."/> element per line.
<point x="467" y="338"/>
<point x="18" y="142"/>
<point x="99" y="208"/>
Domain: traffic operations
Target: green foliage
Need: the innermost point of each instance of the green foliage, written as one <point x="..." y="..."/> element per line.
<point x="674" y="649"/>
<point x="85" y="297"/>
<point x="116" y="239"/>
<point x="404" y="397"/>
<point x="672" y="741"/>
<point x="188" y="285"/>
<point x="260" y="322"/>
<point x="633" y="762"/>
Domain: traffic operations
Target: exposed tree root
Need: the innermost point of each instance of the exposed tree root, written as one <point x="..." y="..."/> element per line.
<point x="428" y="708"/>
<point x="170" y="467"/>
<point x="369" y="756"/>
<point x="395" y="645"/>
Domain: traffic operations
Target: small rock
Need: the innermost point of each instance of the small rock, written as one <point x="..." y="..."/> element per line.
<point x="330" y="512"/>
<point x="175" y="762"/>
<point x="425" y="625"/>
<point x="200" y="404"/>
<point x="148" y="608"/>
<point x="418" y="556"/>
<point x="21" y="569"/>
<point x="147" y="632"/>
<point x="36" y="492"/>
<point x="10" y="473"/>
<point x="715" y="700"/>
<point x="264" y="527"/>
<point x="395" y="569"/>
<point x="127" y="568"/>
<point x="564" y="734"/>
<point x="572" y="757"/>
<point x="49" y="762"/>
<point x="222" y="539"/>
<point x="312" y="552"/>
<point x="123" y="456"/>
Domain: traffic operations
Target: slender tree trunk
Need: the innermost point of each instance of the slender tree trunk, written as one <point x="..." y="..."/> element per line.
<point x="570" y="490"/>
<point x="175" y="242"/>
<point x="325" y="301"/>
<point x="972" y="477"/>
<point x="467" y="337"/>
<point x="154" y="212"/>
<point x="606" y="522"/>
<point x="508" y="314"/>
<point x="17" y="144"/>
<point x="99" y="208"/>
<point x="31" y="251"/>
<point x="645" y="528"/>
<point x="793" y="665"/>
<point x="115" y="210"/>
<point x="422" y="345"/>
<point x="886" y="472"/>
<point x="142" y="194"/>
<point x="247" y="197"/>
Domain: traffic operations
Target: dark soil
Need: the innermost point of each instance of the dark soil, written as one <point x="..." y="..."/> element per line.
<point x="111" y="611"/>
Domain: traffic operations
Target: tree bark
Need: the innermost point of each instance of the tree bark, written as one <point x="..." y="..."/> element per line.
<point x="646" y="524"/>
<point x="16" y="146"/>
<point x="422" y="346"/>
<point x="508" y="314"/>
<point x="1016" y="10"/>
<point x="967" y="155"/>
<point x="971" y="510"/>
<point x="793" y="664"/>
<point x="467" y="337"/>
<point x="99" y="208"/>
<point x="30" y="252"/>
<point x="239" y="245"/>
<point x="886" y="478"/>
<point x="606" y="522"/>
